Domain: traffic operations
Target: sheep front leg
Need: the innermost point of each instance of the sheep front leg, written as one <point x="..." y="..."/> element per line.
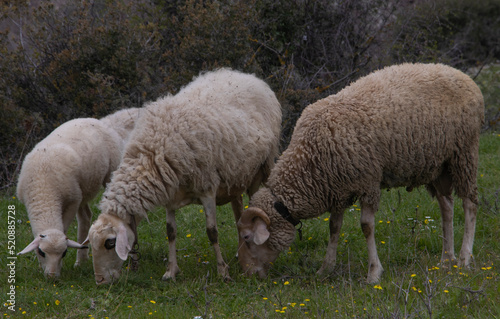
<point x="368" y="226"/>
<point x="336" y="219"/>
<point x="470" y="211"/>
<point x="172" y="267"/>
<point x="237" y="205"/>
<point x="83" y="217"/>
<point x="213" y="235"/>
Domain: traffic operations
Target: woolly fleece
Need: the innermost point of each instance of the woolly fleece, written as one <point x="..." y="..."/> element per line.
<point x="406" y="125"/>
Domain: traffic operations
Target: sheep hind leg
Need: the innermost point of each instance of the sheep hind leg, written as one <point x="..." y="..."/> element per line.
<point x="443" y="192"/>
<point x="172" y="267"/>
<point x="470" y="211"/>
<point x="368" y="226"/>
<point x="83" y="217"/>
<point x="336" y="219"/>
<point x="213" y="236"/>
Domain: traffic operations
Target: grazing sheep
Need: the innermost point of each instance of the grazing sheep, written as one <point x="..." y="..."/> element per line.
<point x="62" y="174"/>
<point x="406" y="125"/>
<point x="215" y="139"/>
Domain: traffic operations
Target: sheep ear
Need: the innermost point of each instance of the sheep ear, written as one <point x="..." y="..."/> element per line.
<point x="74" y="244"/>
<point x="261" y="234"/>
<point x="32" y="246"/>
<point x="122" y="247"/>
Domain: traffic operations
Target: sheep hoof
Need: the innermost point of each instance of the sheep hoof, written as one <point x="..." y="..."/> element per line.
<point x="464" y="261"/>
<point x="374" y="274"/>
<point x="326" y="269"/>
<point x="171" y="273"/>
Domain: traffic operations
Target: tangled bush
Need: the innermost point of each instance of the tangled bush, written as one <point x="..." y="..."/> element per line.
<point x="63" y="59"/>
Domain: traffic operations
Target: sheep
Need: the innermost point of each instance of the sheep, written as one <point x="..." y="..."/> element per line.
<point x="215" y="139"/>
<point x="405" y="125"/>
<point x="61" y="175"/>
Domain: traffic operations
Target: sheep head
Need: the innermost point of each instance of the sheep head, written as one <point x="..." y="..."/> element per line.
<point x="51" y="247"/>
<point x="111" y="240"/>
<point x="254" y="253"/>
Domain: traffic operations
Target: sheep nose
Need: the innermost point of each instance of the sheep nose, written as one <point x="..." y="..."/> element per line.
<point x="99" y="280"/>
<point x="52" y="276"/>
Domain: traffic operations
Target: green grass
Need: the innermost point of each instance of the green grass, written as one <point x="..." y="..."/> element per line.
<point x="408" y="232"/>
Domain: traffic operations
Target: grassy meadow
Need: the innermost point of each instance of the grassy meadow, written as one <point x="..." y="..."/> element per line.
<point x="408" y="233"/>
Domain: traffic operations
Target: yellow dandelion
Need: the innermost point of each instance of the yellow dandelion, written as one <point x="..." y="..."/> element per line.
<point x="378" y="287"/>
<point x="57" y="302"/>
<point x="246" y="206"/>
<point x="265" y="298"/>
<point x="446" y="291"/>
<point x="307" y="299"/>
<point x="286" y="283"/>
<point x="380" y="221"/>
<point x="293" y="304"/>
<point x="284" y="308"/>
<point x="129" y="306"/>
<point x="24" y="312"/>
<point x="28" y="222"/>
<point x="388" y="222"/>
<point x="188" y="235"/>
<point x="326" y="219"/>
<point x="430" y="281"/>
<point x="302" y="305"/>
<point x="34" y="302"/>
<point x="413" y="275"/>
<point x="152" y="301"/>
<point x="309" y="238"/>
<point x="201" y="210"/>
<point x="382" y="242"/>
<point x="414" y="289"/>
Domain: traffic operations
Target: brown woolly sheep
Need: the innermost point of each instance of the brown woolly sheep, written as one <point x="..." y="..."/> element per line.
<point x="215" y="139"/>
<point x="405" y="125"/>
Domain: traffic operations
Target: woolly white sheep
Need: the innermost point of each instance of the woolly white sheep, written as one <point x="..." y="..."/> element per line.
<point x="215" y="139"/>
<point x="405" y="125"/>
<point x="62" y="174"/>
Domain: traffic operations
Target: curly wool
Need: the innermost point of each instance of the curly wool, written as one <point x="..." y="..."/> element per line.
<point x="400" y="126"/>
<point x="123" y="121"/>
<point x="212" y="137"/>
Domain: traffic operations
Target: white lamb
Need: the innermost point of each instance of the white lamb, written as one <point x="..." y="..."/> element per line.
<point x="62" y="174"/>
<point x="217" y="138"/>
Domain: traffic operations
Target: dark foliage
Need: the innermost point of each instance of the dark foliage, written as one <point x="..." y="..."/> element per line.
<point x="64" y="59"/>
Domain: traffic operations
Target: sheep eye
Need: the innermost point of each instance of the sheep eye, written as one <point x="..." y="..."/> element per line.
<point x="110" y="243"/>
<point x="41" y="253"/>
<point x="64" y="253"/>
